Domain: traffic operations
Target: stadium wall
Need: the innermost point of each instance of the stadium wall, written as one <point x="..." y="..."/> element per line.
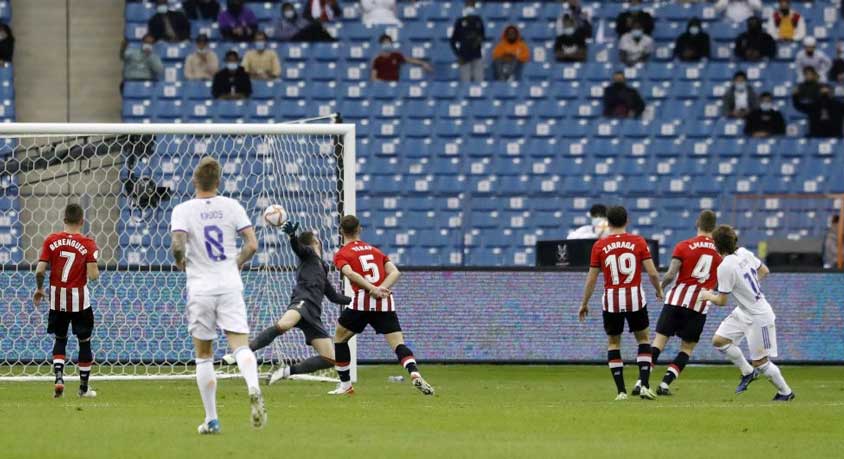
<point x="475" y="315"/>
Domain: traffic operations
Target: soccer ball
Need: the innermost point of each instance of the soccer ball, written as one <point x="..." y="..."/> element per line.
<point x="275" y="215"/>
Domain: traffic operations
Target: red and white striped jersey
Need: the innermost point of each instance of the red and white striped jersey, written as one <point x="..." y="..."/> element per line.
<point x="68" y="256"/>
<point x="699" y="262"/>
<point x="369" y="262"/>
<point x="620" y="256"/>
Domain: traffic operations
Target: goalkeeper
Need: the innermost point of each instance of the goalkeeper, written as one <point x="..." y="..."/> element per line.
<point x="305" y="309"/>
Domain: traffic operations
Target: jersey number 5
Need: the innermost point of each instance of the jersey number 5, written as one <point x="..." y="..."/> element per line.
<point x="370" y="270"/>
<point x="624" y="264"/>
<point x="702" y="268"/>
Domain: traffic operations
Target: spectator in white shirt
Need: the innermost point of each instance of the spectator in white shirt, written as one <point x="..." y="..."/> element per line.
<point x="201" y="64"/>
<point x="739" y="11"/>
<point x="377" y="12"/>
<point x="809" y="56"/>
<point x="635" y="46"/>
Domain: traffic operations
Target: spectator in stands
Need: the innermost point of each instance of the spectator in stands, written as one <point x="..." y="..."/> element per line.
<point x="322" y="10"/>
<point x="765" y="121"/>
<point x="201" y="64"/>
<point x="740" y="98"/>
<point x="141" y="64"/>
<point x="808" y="91"/>
<point x="621" y="100"/>
<point x="510" y="55"/>
<point x="830" y="244"/>
<point x="232" y="81"/>
<point x="635" y="46"/>
<point x="467" y="39"/>
<point x="237" y="22"/>
<point x="809" y="56"/>
<point x="570" y="45"/>
<point x="7" y="44"/>
<point x="387" y="64"/>
<point x="168" y="23"/>
<point x="739" y="11"/>
<point x="755" y="43"/>
<point x="379" y="12"/>
<point x="294" y="27"/>
<point x="836" y="72"/>
<point x="634" y="15"/>
<point x="573" y="9"/>
<point x="598" y="227"/>
<point x="786" y="24"/>
<point x="262" y="63"/>
<point x="202" y="10"/>
<point x="826" y="114"/>
<point x="693" y="44"/>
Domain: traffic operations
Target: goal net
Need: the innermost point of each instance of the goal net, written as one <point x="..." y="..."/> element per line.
<point x="128" y="178"/>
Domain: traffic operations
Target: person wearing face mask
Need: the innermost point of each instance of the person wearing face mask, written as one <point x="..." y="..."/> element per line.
<point x="141" y="64"/>
<point x="168" y="23"/>
<point x="510" y="55"/>
<point x="467" y="40"/>
<point x="570" y="45"/>
<point x="635" y="46"/>
<point x="693" y="44"/>
<point x="739" y="11"/>
<point x="621" y="100"/>
<point x="598" y="227"/>
<point x="202" y="10"/>
<point x="786" y="24"/>
<point x="237" y="22"/>
<point x="755" y="43"/>
<point x="574" y="10"/>
<point x="293" y="26"/>
<point x="231" y="82"/>
<point x="7" y="44"/>
<point x="387" y="64"/>
<point x="740" y="98"/>
<point x="810" y="56"/>
<point x="201" y="64"/>
<point x="379" y="12"/>
<point x="262" y="63"/>
<point x="322" y="10"/>
<point x="634" y="15"/>
<point x="765" y="121"/>
<point x="826" y="114"/>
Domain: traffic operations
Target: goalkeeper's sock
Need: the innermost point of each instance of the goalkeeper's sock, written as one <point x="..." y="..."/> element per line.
<point x="86" y="359"/>
<point x="643" y="359"/>
<point x="248" y="366"/>
<point x="206" y="381"/>
<point x="405" y="356"/>
<point x="59" y="348"/>
<point x="617" y="369"/>
<point x="675" y="368"/>
<point x="343" y="363"/>
<point x="310" y="365"/>
<point x="265" y="338"/>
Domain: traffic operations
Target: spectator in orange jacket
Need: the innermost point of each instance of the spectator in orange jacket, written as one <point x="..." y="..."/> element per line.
<point x="510" y="55"/>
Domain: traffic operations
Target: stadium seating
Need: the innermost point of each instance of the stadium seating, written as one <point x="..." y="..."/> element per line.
<point x="10" y="227"/>
<point x="481" y="171"/>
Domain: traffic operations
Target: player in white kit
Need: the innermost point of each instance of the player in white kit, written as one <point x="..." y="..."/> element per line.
<point x="753" y="318"/>
<point x="205" y="231"/>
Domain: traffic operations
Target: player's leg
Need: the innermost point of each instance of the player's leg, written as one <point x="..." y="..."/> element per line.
<point x="348" y="325"/>
<point x="83" y="328"/>
<point x="387" y="323"/>
<point x="265" y="337"/>
<point x="727" y="338"/>
<point x="57" y="325"/>
<point x="664" y="330"/>
<point x="762" y="340"/>
<point x="231" y="317"/>
<point x="201" y="325"/>
<point x="639" y="324"/>
<point x="614" y="326"/>
<point x="689" y="328"/>
<point x="317" y="337"/>
<point x="676" y="367"/>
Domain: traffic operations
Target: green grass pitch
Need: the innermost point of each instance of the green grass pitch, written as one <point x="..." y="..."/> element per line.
<point x="480" y="411"/>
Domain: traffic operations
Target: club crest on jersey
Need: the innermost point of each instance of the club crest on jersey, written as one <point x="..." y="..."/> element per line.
<point x="618" y="245"/>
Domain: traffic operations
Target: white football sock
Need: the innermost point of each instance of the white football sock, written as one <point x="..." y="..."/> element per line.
<point x="206" y="381"/>
<point x="734" y="354"/>
<point x="248" y="366"/>
<point x="773" y="373"/>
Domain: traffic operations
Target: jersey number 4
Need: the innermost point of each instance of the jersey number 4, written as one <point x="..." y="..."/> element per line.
<point x="624" y="264"/>
<point x="702" y="268"/>
<point x="370" y="270"/>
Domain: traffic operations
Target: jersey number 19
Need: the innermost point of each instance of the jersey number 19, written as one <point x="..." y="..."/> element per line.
<point x="624" y="264"/>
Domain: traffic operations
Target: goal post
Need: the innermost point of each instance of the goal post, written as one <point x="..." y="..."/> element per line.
<point x="128" y="177"/>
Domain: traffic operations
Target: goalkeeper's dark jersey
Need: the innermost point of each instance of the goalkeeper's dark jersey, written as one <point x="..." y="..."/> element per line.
<point x="312" y="278"/>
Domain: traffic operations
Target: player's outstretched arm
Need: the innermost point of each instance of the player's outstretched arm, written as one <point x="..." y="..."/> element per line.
<point x="588" y="290"/>
<point x="178" y="248"/>
<point x="289" y="228"/>
<point x="40" y="274"/>
<point x="653" y="275"/>
<point x="762" y="272"/>
<point x="669" y="277"/>
<point x="249" y="248"/>
<point x="717" y="298"/>
<point x="334" y="296"/>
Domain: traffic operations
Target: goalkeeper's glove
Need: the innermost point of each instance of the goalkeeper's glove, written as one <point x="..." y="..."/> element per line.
<point x="290" y="227"/>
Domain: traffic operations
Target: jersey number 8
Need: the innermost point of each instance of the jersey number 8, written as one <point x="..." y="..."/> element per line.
<point x="214" y="243"/>
<point x="624" y="264"/>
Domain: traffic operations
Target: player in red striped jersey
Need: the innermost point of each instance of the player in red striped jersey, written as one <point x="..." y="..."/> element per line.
<point x="621" y="256"/>
<point x="694" y="264"/>
<point x="372" y="275"/>
<point x="72" y="260"/>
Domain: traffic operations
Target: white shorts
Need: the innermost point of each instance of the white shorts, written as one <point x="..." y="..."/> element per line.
<point x="207" y="312"/>
<point x="760" y="331"/>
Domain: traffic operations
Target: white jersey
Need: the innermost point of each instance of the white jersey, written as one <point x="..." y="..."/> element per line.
<point x="737" y="276"/>
<point x="212" y="226"/>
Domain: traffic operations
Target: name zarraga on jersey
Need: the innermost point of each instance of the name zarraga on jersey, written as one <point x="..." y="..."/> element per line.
<point x="618" y="245"/>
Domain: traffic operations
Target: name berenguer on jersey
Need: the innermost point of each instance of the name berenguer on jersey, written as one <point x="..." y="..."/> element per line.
<point x="71" y="242"/>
